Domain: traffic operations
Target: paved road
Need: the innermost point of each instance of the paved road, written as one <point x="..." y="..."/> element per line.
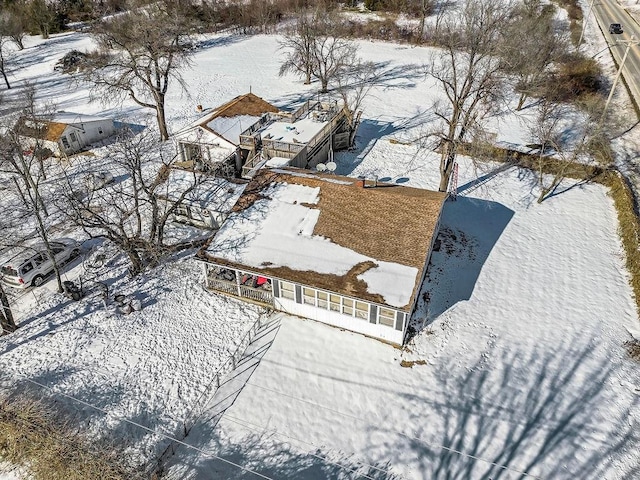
<point x="607" y="12"/>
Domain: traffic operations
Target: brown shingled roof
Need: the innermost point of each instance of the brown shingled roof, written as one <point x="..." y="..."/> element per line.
<point x="386" y="222"/>
<point x="46" y="129"/>
<point x="247" y="104"/>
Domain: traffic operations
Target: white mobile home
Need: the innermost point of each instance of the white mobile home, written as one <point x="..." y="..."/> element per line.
<point x="64" y="133"/>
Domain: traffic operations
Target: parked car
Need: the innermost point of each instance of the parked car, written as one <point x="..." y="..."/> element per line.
<point x="31" y="267"/>
<point x="615" y="28"/>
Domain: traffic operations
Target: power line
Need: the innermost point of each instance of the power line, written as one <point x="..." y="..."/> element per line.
<point x="245" y="423"/>
<point x="150" y="430"/>
<point x="431" y="445"/>
<point x="256" y="427"/>
<point x="410" y="437"/>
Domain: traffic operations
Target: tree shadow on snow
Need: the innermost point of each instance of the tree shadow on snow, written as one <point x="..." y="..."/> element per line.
<point x="469" y="229"/>
<point x="540" y="413"/>
<point x="370" y="132"/>
<point x="221" y="41"/>
<point x="209" y="456"/>
<point x="271" y="457"/>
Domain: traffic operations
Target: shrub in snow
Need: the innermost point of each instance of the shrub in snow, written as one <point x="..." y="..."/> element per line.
<point x="72" y="62"/>
<point x="633" y="348"/>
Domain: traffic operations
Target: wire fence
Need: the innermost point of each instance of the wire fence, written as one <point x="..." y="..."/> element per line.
<point x="200" y="405"/>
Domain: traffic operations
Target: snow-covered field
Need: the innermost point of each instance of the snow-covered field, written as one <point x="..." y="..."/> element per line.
<point x="524" y="367"/>
<point x="520" y="369"/>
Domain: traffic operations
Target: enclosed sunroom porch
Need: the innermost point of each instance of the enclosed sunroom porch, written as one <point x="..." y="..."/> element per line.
<point x="339" y="310"/>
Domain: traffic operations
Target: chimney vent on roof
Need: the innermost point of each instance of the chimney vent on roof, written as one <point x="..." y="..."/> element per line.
<point x="199" y="108"/>
<point x="359" y="183"/>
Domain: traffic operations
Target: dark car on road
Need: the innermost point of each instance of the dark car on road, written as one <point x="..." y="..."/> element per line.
<point x="615" y="28"/>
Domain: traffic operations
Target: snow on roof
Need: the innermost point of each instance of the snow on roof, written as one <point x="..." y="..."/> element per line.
<point x="230" y="119"/>
<point x="71" y="118"/>
<point x="218" y="148"/>
<point x="301" y="131"/>
<point x="371" y="243"/>
<point x="213" y="193"/>
<point x="278" y="162"/>
<point x="230" y="128"/>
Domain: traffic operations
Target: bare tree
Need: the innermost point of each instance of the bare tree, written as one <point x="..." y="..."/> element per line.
<point x="41" y="16"/>
<point x="13" y="24"/>
<point x="560" y="153"/>
<point x="331" y="56"/>
<point x="25" y="164"/>
<point x="133" y="213"/>
<point x="354" y="83"/>
<point x="424" y="9"/>
<point x="299" y="44"/>
<point x="468" y="70"/>
<point x="532" y="44"/>
<point x="316" y="50"/>
<point x="139" y="53"/>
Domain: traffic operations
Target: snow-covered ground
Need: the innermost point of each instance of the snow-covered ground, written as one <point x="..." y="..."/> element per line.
<point x="521" y="339"/>
<point x="520" y="365"/>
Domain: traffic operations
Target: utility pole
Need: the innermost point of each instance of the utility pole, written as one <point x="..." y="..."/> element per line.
<point x="631" y="41"/>
<point x="584" y="22"/>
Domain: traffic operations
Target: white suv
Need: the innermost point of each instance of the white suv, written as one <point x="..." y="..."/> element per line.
<point x="30" y="269"/>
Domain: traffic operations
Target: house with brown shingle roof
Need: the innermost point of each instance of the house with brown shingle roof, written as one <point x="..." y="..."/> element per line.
<point x="214" y="139"/>
<point x="248" y="133"/>
<point x="346" y="252"/>
<point x="64" y="133"/>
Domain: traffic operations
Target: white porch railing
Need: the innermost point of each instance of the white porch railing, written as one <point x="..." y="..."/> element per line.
<point x="256" y="294"/>
<point x="259" y="295"/>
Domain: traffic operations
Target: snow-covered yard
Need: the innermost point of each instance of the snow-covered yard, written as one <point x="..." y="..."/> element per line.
<point x="524" y="371"/>
<point x="519" y="365"/>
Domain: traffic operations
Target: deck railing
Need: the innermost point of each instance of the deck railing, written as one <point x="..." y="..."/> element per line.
<point x="223" y="286"/>
<point x="250" y="168"/>
<point x="280" y="146"/>
<point x="259" y="295"/>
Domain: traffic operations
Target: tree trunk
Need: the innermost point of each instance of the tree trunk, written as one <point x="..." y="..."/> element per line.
<point x="162" y="121"/>
<point x="136" y="262"/>
<point x="446" y="166"/>
<point x="324" y="83"/>
<point x="2" y="69"/>
<point x="6" y="317"/>
<point x="521" y="100"/>
<point x="423" y="17"/>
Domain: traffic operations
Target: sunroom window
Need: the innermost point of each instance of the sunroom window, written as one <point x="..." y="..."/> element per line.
<point x="386" y="316"/>
<point x="362" y="310"/>
<point x="309" y="296"/>
<point x="334" y="302"/>
<point x="347" y="306"/>
<point x="323" y="299"/>
<point x="287" y="290"/>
